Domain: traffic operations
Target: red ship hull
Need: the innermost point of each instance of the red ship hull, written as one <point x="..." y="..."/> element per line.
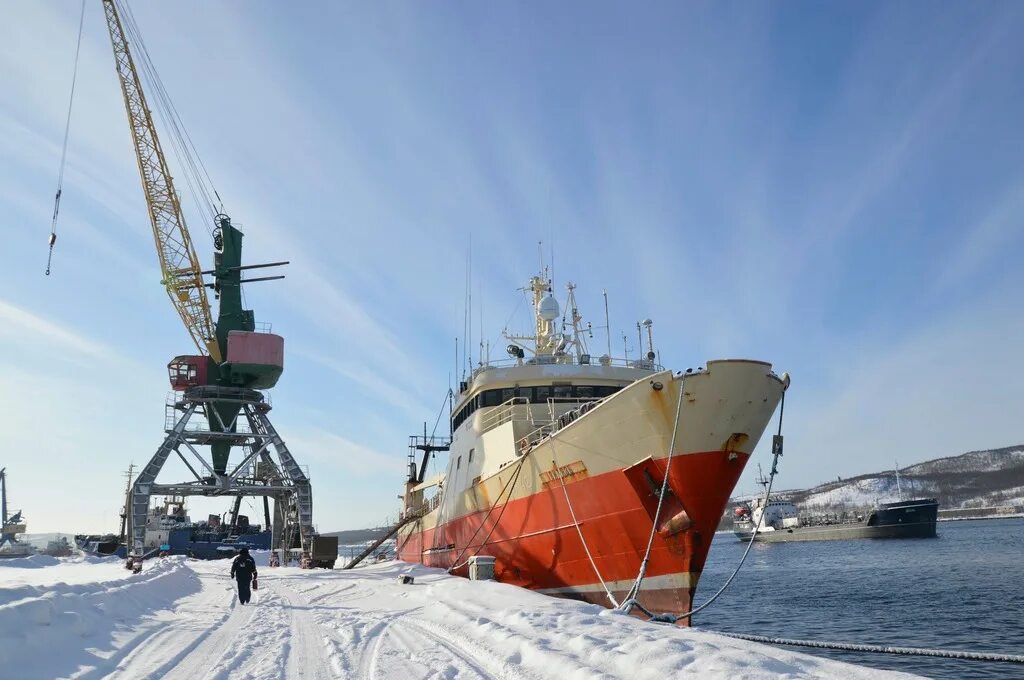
<point x="537" y="545"/>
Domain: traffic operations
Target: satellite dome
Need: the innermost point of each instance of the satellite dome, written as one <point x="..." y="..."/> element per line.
<point x="547" y="308"/>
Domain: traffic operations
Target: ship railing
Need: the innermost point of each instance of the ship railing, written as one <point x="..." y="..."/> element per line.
<point x="556" y="406"/>
<point x="559" y="421"/>
<point x="429" y="505"/>
<point x="570" y="360"/>
<point x="505" y="412"/>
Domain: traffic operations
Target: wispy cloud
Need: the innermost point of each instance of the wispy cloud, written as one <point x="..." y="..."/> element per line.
<point x="982" y="241"/>
<point x="820" y="190"/>
<point x="29" y="332"/>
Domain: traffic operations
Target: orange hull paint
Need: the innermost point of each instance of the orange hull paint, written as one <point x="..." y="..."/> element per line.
<point x="536" y="544"/>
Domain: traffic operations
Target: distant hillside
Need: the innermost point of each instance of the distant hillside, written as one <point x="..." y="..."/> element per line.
<point x="354" y="536"/>
<point x="971" y="480"/>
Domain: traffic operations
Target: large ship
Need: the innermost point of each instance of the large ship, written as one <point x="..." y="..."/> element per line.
<point x="557" y="458"/>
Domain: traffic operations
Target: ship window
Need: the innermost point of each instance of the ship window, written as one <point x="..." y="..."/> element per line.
<point x="542" y="394"/>
<point x="470" y="456"/>
<point x="507" y="394"/>
<point x="584" y="391"/>
<point x="525" y="393"/>
<point x="562" y="391"/>
<point x="491" y="398"/>
<point x="458" y="462"/>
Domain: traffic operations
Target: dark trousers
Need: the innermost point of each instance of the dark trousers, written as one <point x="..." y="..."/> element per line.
<point x="244" y="593"/>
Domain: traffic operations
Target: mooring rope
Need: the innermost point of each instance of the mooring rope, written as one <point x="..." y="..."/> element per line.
<point x="510" y="484"/>
<point x="579" y="531"/>
<point x="879" y="649"/>
<point x="631" y="601"/>
<point x="642" y="572"/>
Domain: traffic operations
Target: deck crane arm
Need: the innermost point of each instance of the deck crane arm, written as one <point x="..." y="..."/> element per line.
<point x="179" y="265"/>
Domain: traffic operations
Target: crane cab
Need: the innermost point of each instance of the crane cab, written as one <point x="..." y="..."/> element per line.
<point x="254" y="360"/>
<point x="187" y="371"/>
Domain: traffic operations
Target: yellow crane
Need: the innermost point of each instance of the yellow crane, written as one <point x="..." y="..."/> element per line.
<point x="179" y="266"/>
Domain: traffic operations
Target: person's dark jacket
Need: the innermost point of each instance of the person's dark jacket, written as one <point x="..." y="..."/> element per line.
<point x="243" y="568"/>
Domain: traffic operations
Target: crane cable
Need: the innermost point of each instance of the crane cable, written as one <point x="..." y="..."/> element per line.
<point x="64" y="149"/>
<point x="197" y="178"/>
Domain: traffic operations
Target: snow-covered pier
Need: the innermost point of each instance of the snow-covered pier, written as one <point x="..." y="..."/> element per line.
<point x="90" y="618"/>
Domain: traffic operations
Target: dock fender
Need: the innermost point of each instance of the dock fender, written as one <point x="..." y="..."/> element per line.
<point x="646" y="477"/>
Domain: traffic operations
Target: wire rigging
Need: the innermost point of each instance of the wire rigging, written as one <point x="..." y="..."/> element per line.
<point x="64" y="148"/>
<point x="197" y="177"/>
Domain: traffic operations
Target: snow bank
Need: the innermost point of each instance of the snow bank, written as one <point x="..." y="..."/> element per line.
<point x="31" y="562"/>
<point x="56" y="630"/>
<point x="180" y="619"/>
<point x="489" y="629"/>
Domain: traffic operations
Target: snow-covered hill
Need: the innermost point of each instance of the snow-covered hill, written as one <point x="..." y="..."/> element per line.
<point x="974" y="479"/>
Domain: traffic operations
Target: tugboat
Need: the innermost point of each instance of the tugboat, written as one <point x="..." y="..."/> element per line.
<point x="557" y="458"/>
<point x="781" y="521"/>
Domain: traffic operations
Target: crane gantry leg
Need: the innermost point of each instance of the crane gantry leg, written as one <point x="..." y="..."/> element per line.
<point x="267" y="469"/>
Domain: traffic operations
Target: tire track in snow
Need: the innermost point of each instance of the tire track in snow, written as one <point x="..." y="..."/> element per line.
<point x="306" y="654"/>
<point x="415" y="651"/>
<point x="169" y="645"/>
<point x="370" y="643"/>
<point x="344" y="632"/>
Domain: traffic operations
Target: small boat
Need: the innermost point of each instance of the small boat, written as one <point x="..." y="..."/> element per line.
<point x="100" y="545"/>
<point x="58" y="548"/>
<point x="16" y="550"/>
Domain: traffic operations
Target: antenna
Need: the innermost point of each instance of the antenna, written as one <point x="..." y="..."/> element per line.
<point x="899" y="489"/>
<point x="625" y="348"/>
<point x="639" y="340"/>
<point x="461" y="361"/>
<point x="469" y="305"/>
<point x="607" y="324"/>
<point x="552" y="253"/>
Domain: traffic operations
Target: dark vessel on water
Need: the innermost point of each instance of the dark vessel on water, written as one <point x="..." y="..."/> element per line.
<point x="781" y="522"/>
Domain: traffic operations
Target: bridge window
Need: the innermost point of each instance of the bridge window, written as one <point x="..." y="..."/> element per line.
<point x="535" y="395"/>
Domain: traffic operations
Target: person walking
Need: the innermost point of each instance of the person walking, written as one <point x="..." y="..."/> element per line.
<point x="243" y="570"/>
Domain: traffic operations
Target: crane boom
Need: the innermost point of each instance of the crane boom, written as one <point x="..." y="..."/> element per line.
<point x="179" y="265"/>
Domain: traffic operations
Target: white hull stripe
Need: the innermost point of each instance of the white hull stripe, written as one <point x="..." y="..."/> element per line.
<point x="664" y="582"/>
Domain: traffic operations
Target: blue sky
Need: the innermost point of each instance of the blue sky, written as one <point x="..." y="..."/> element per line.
<point x="836" y="188"/>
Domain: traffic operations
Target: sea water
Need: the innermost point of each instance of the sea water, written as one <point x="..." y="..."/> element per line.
<point x="963" y="590"/>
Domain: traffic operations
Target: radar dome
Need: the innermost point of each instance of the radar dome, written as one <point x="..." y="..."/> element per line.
<point x="547" y="308"/>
